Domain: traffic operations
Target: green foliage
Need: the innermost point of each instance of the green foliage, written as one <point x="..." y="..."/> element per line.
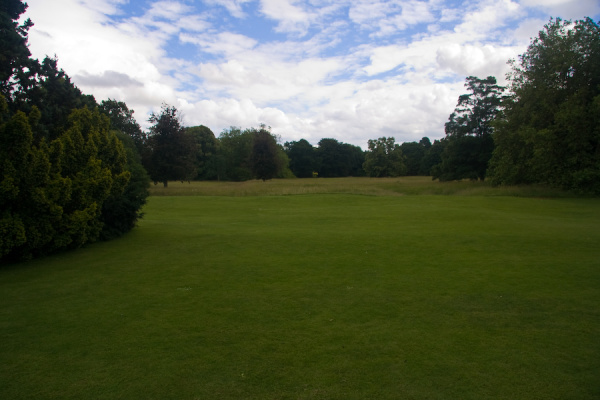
<point x="251" y="153"/>
<point x="235" y="152"/>
<point x="15" y="153"/>
<point x="172" y="152"/>
<point x="121" y="213"/>
<point x="468" y="144"/>
<point x="207" y="147"/>
<point x="464" y="157"/>
<point x="122" y="120"/>
<point x="336" y="159"/>
<point x="432" y="157"/>
<point x="49" y="89"/>
<point x="384" y="158"/>
<point x="265" y="162"/>
<point x="283" y="162"/>
<point x="413" y="155"/>
<point x="476" y="110"/>
<point x="303" y="158"/>
<point x="54" y="194"/>
<point x="550" y="130"/>
<point x="14" y="54"/>
<point x="417" y="157"/>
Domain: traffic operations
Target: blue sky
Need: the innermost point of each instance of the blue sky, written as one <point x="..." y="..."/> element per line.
<point x="347" y="69"/>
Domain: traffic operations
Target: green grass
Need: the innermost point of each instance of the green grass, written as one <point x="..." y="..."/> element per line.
<point x="319" y="296"/>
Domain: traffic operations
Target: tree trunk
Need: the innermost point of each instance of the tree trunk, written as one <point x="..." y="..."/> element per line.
<point x="165" y="183"/>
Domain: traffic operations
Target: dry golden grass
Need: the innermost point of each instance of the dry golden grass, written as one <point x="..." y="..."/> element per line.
<point x="410" y="185"/>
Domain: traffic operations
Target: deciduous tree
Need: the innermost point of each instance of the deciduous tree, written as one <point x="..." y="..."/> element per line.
<point x="336" y="159"/>
<point x="265" y="160"/>
<point x="207" y="148"/>
<point x="550" y="130"/>
<point x="384" y="158"/>
<point x="468" y="143"/>
<point x="414" y="156"/>
<point x="235" y="148"/>
<point x="303" y="158"/>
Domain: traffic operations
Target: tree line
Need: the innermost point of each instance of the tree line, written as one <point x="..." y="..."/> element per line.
<point x="73" y="171"/>
<point x="543" y="128"/>
<point x="171" y="152"/>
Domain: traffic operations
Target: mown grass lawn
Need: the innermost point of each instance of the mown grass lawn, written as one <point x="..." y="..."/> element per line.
<point x="316" y="296"/>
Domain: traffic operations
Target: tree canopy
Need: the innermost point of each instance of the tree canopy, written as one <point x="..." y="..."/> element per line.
<point x="264" y="158"/>
<point x="65" y="176"/>
<point x="337" y="159"/>
<point x="468" y="144"/>
<point x="53" y="194"/>
<point x="303" y="158"/>
<point x="14" y="53"/>
<point x="550" y="130"/>
<point x="172" y="152"/>
<point x="384" y="158"/>
<point x="207" y="149"/>
<point x="122" y="120"/>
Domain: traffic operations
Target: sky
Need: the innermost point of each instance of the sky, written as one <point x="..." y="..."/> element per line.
<point x="352" y="70"/>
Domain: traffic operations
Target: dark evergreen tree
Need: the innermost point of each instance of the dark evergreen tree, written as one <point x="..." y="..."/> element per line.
<point x="121" y="213"/>
<point x="50" y="89"/>
<point x="52" y="193"/>
<point x="172" y="152"/>
<point x="14" y="53"/>
<point x="122" y="120"/>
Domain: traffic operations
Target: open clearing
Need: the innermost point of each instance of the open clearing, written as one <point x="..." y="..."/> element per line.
<point x="316" y="296"/>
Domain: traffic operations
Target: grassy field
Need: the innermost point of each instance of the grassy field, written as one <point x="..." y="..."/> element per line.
<point x="411" y="185"/>
<point x="349" y="291"/>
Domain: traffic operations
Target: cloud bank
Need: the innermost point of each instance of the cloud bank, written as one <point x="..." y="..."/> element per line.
<point x="350" y="70"/>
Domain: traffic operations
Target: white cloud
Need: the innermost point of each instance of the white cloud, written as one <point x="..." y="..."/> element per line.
<point x="165" y="19"/>
<point x="291" y="17"/>
<point x="226" y="44"/>
<point x="388" y="18"/>
<point x="348" y="69"/>
<point x="483" y="22"/>
<point x="450" y="15"/>
<point x="107" y="79"/>
<point x="124" y="60"/>
<point x="476" y="60"/>
<point x="567" y="9"/>
<point x="364" y="12"/>
<point x="106" y="7"/>
<point x="223" y="113"/>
